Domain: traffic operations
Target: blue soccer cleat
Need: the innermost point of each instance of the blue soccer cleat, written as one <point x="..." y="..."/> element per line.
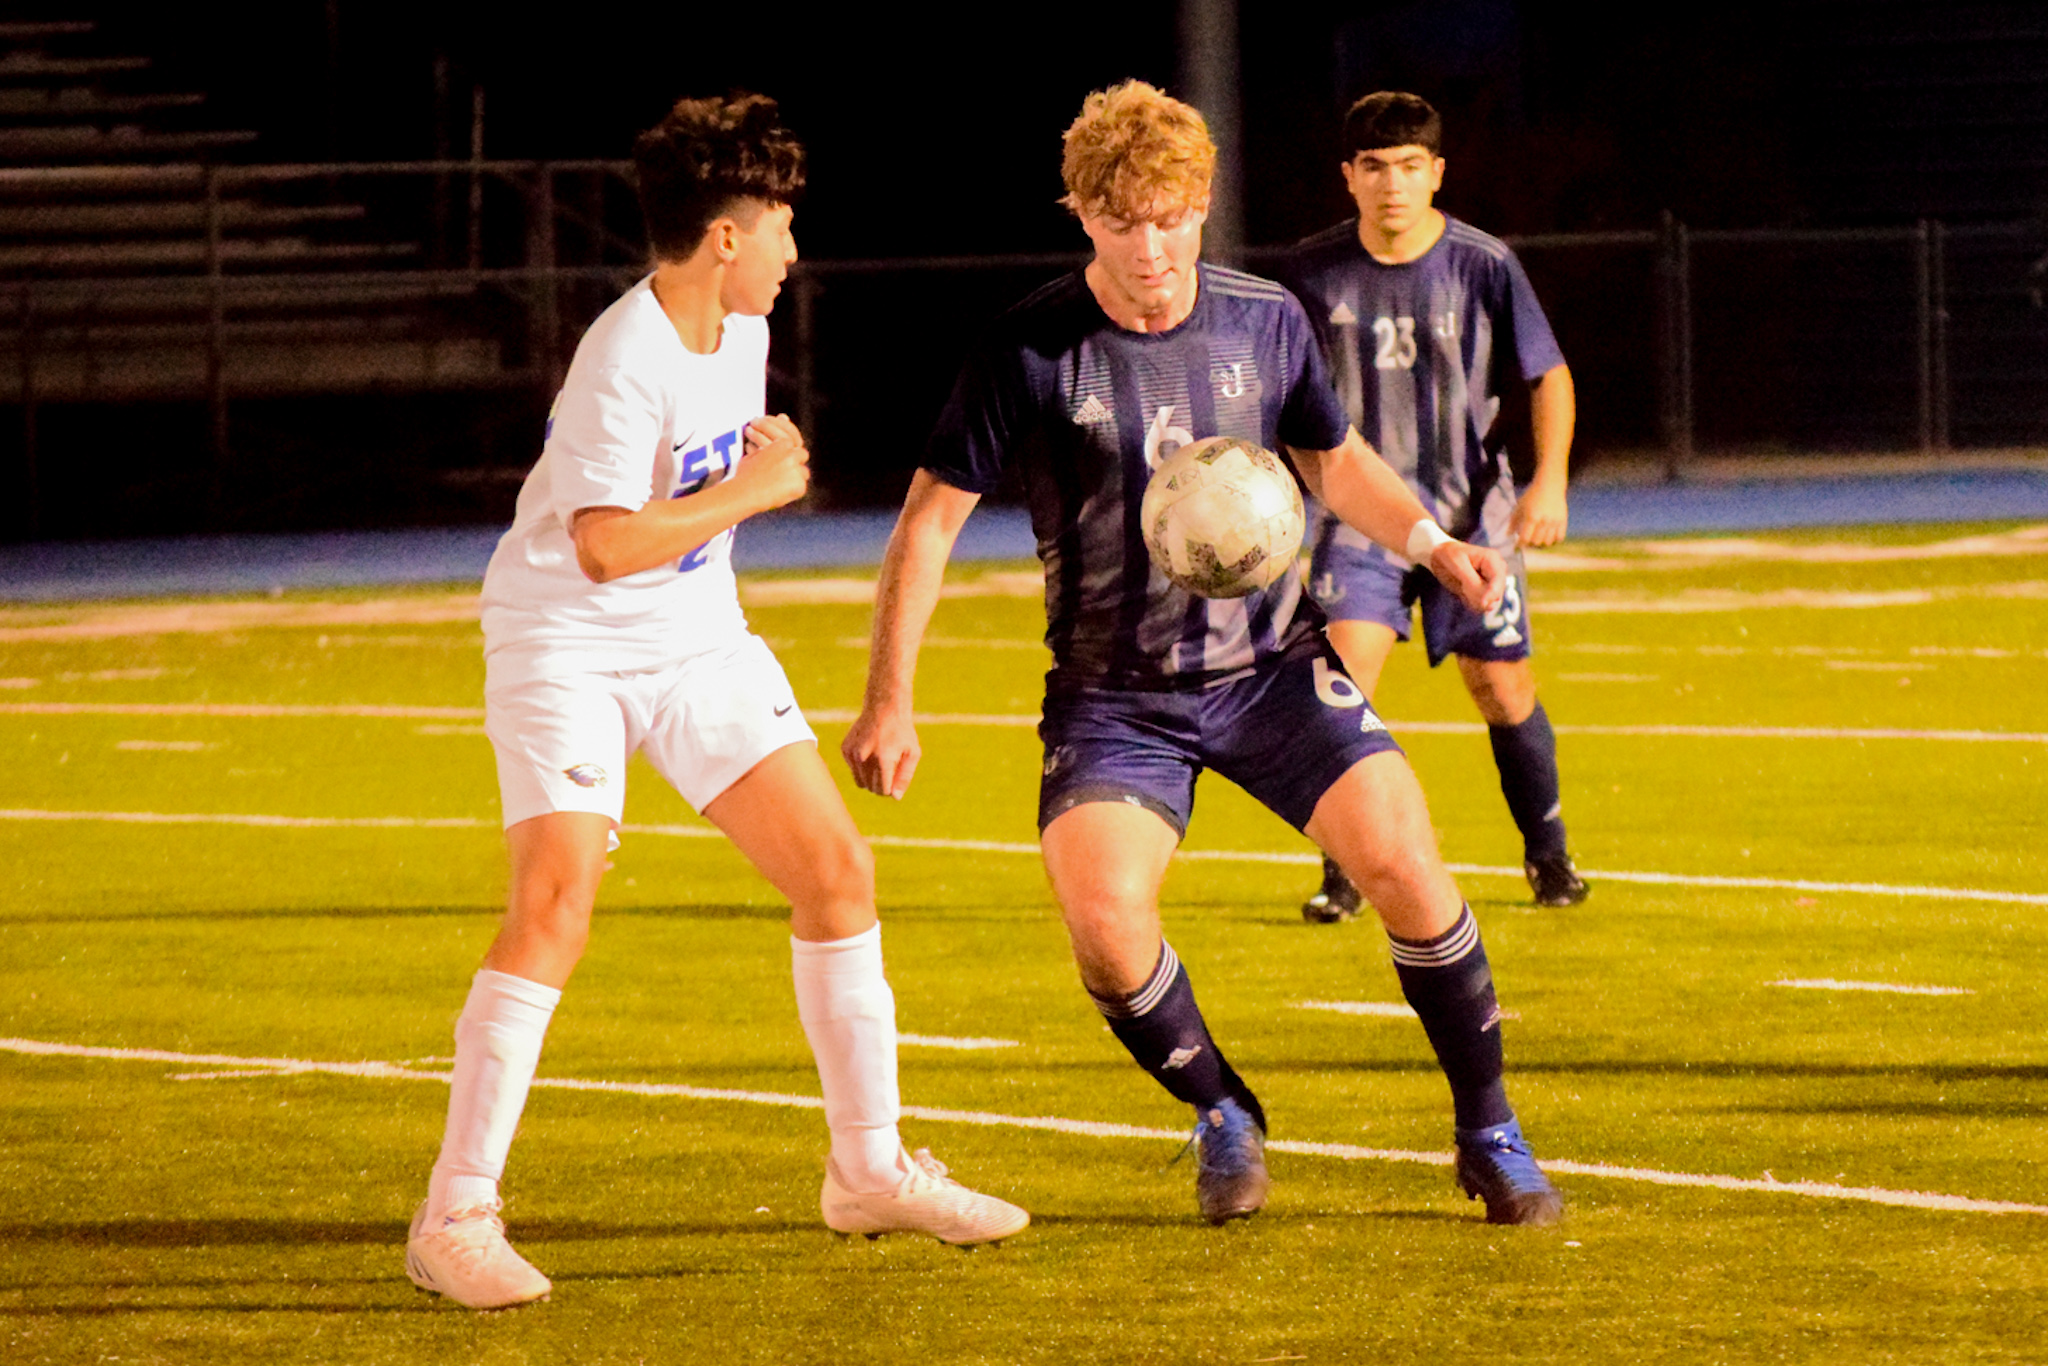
<point x="1231" y="1180"/>
<point x="1495" y="1165"/>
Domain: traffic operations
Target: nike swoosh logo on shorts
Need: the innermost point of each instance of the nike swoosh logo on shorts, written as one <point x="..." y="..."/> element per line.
<point x="784" y="711"/>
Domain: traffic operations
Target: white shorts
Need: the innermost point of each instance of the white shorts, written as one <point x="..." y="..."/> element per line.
<point x="562" y="743"/>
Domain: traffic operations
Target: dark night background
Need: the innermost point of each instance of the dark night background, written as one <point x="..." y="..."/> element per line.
<point x="926" y="141"/>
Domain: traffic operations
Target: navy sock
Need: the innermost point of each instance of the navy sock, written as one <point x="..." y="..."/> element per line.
<point x="1163" y="1028"/>
<point x="1527" y="758"/>
<point x="1448" y="982"/>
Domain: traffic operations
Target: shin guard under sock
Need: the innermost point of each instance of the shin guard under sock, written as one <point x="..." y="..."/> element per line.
<point x="497" y="1047"/>
<point x="1527" y="758"/>
<point x="1163" y="1028"/>
<point x="1449" y="983"/>
<point x="849" y="1016"/>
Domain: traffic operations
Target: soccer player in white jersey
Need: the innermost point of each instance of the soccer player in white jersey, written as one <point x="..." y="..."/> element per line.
<point x="612" y="624"/>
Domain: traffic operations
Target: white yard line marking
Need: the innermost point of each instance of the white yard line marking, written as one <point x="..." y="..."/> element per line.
<point x="115" y="675"/>
<point x="1775" y="884"/>
<point x="995" y="584"/>
<point x="1693" y="600"/>
<point x="1818" y="1190"/>
<point x="845" y="716"/>
<point x="271" y="822"/>
<point x="1696" y="552"/>
<point x="1017" y="847"/>
<point x="181" y="746"/>
<point x="240" y="1074"/>
<point x="98" y="623"/>
<point x="1830" y="984"/>
<point x="239" y="709"/>
<point x="943" y="1041"/>
<point x="1796" y="733"/>
<point x="1822" y="652"/>
<point x="829" y="716"/>
<point x="953" y="643"/>
<point x="1386" y="1010"/>
<point x="19" y="683"/>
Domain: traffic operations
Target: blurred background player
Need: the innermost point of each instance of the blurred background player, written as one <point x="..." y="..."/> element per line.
<point x="1084" y="387"/>
<point x="612" y="624"/>
<point x="1426" y="320"/>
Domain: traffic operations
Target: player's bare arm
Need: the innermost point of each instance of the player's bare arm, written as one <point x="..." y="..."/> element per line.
<point x="882" y="748"/>
<point x="1353" y="482"/>
<point x="1540" y="513"/>
<point x="612" y="542"/>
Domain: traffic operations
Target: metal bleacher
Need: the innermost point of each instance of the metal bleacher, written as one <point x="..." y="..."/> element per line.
<point x="142" y="259"/>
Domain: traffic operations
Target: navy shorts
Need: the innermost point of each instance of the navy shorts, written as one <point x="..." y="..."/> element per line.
<point x="1354" y="584"/>
<point x="1284" y="732"/>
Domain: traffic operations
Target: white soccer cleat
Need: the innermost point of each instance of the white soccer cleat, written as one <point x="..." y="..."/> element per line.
<point x="925" y="1201"/>
<point x="468" y="1260"/>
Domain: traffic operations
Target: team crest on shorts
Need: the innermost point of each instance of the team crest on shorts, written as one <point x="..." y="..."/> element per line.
<point x="586" y="775"/>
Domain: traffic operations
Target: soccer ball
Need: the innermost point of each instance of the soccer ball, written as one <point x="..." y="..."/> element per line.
<point x="1222" y="517"/>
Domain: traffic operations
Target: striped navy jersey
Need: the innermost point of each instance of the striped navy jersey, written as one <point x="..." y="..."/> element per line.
<point x="1084" y="411"/>
<point x="1422" y="352"/>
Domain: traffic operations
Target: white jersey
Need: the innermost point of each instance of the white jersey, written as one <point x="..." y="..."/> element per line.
<point x="639" y="417"/>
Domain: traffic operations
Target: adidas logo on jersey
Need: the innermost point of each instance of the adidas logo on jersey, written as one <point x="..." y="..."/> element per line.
<point x="1092" y="411"/>
<point x="1507" y="635"/>
<point x="1342" y="315"/>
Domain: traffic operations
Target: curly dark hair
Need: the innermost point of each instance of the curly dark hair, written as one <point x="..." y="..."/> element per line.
<point x="707" y="157"/>
<point x="1392" y="118"/>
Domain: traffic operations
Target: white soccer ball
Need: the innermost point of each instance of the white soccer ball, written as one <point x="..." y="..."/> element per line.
<point x="1222" y="517"/>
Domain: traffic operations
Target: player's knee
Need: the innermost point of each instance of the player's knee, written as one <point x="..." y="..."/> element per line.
<point x="1504" y="694"/>
<point x="845" y="871"/>
<point x="1107" y="893"/>
<point x="1396" y="875"/>
<point x="557" y="914"/>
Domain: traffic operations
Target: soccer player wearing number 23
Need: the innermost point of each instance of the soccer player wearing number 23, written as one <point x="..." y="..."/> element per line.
<point x="612" y="624"/>
<point x="1083" y="388"/>
<point x="1426" y="319"/>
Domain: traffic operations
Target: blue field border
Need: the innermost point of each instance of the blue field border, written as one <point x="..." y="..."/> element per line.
<point x="98" y="570"/>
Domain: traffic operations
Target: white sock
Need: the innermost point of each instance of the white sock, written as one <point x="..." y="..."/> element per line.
<point x="497" y="1048"/>
<point x="849" y="1015"/>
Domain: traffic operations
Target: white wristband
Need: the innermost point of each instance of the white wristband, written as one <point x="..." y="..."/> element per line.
<point x="1423" y="539"/>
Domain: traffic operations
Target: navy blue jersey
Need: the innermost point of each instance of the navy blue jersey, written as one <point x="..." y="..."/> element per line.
<point x="1422" y="352"/>
<point x="1085" y="411"/>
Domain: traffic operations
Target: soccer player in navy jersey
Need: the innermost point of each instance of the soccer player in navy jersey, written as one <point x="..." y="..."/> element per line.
<point x="1426" y="321"/>
<point x="1083" y="388"/>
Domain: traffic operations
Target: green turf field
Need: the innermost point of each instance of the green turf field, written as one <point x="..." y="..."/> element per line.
<point x="1845" y="729"/>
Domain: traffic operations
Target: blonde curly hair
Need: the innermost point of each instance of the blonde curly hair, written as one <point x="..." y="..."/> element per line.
<point x="1136" y="153"/>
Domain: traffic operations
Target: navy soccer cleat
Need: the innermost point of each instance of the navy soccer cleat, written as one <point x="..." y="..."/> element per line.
<point x="1231" y="1180"/>
<point x="1555" y="881"/>
<point x="1335" y="902"/>
<point x="1496" y="1165"/>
